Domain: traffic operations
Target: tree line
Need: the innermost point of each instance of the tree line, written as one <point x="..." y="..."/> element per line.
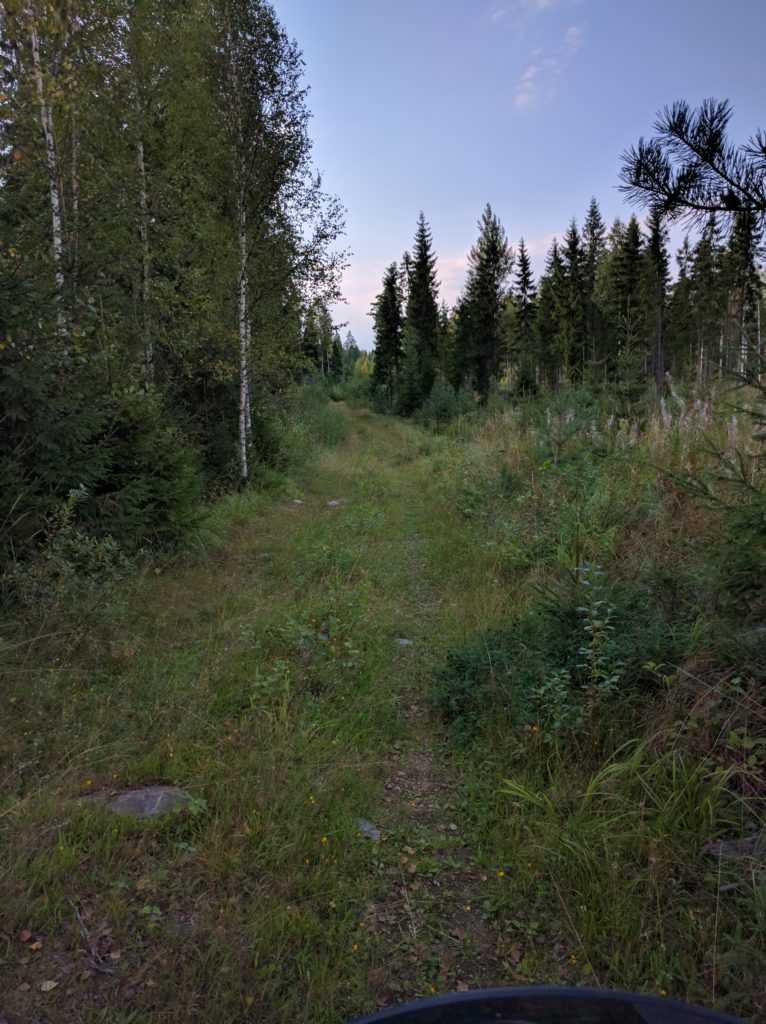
<point x="163" y="233"/>
<point x="605" y="309"/>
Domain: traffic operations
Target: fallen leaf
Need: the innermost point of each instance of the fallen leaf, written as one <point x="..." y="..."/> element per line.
<point x="48" y="986"/>
<point x="26" y="935"/>
<point x="35" y="945"/>
<point x="249" y="1000"/>
<point x="412" y="867"/>
<point x="24" y="986"/>
<point x="115" y="954"/>
<point x="462" y="987"/>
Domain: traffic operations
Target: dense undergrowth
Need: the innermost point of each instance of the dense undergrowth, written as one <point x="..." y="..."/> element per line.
<point x="585" y="598"/>
<point x="622" y="696"/>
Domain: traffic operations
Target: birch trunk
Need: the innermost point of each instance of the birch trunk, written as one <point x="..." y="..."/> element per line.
<point x="51" y="160"/>
<point x="243" y="326"/>
<point x="75" y="186"/>
<point x="244" y="391"/>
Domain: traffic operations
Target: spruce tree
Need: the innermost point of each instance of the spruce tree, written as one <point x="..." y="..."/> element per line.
<point x="709" y="298"/>
<point x="744" y="296"/>
<point x="551" y="313"/>
<point x="680" y="334"/>
<point x="524" y="299"/>
<point x="336" y="359"/>
<point x="575" y="349"/>
<point x="657" y="277"/>
<point x="387" y="325"/>
<point x="594" y="248"/>
<point x="490" y="262"/>
<point x="421" y="326"/>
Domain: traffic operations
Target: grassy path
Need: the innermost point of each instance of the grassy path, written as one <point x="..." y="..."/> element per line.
<point x="271" y="675"/>
<point x="267" y="676"/>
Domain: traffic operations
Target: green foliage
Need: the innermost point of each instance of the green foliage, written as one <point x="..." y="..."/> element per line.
<point x="71" y="572"/>
<point x="558" y="663"/>
<point x="421" y="324"/>
<point x="443" y="405"/>
<point x="481" y="308"/>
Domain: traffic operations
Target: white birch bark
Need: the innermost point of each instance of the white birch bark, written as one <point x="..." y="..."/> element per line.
<point x="243" y="327"/>
<point x="75" y="186"/>
<point x="46" y="119"/>
<point x="244" y="392"/>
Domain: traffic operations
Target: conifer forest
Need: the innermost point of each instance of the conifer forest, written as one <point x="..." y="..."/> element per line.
<point x="335" y="679"/>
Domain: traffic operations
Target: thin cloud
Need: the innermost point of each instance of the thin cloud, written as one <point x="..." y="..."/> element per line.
<point x="538" y="83"/>
<point x="519" y="8"/>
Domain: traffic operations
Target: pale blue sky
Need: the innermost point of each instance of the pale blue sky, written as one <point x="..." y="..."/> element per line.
<point x="445" y="105"/>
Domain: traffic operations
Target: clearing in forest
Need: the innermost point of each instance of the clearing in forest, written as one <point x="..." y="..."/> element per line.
<point x="336" y="854"/>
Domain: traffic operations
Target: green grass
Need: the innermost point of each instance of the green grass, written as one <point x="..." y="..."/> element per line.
<point x="263" y="673"/>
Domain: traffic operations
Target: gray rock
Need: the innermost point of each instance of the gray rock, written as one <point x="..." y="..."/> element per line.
<point x="403" y="641"/>
<point x="297" y="501"/>
<point x="734" y="849"/>
<point x="336" y="503"/>
<point x="368" y="829"/>
<point x="149" y="802"/>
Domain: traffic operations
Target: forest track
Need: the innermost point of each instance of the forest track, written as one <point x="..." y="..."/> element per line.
<point x="269" y="677"/>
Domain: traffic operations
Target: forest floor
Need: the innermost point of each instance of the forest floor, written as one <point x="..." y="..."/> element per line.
<point x="281" y="676"/>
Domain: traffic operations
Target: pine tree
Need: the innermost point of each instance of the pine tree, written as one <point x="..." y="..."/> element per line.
<point x="690" y="168"/>
<point x="489" y="264"/>
<point x="421" y="326"/>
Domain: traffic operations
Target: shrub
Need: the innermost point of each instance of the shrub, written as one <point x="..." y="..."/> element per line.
<point x="443" y="405"/>
<point x="581" y="643"/>
<point x="71" y="570"/>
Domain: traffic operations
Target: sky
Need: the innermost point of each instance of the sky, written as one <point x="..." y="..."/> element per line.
<point x="447" y="105"/>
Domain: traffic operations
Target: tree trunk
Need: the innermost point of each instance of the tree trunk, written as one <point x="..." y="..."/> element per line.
<point x="51" y="160"/>
<point x="244" y="390"/>
<point x="659" y="352"/>
<point x="143" y="230"/>
<point x="75" y="187"/>
<point x="243" y="325"/>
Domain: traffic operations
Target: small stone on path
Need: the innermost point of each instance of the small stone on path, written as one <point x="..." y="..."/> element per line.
<point x="368" y="829"/>
<point x="150" y="801"/>
<point x="734" y="849"/>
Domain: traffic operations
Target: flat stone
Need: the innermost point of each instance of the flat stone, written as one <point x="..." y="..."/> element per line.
<point x="337" y="503"/>
<point x="734" y="849"/>
<point x="149" y="802"/>
<point x="297" y="501"/>
<point x="368" y="829"/>
<point x="403" y="641"/>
